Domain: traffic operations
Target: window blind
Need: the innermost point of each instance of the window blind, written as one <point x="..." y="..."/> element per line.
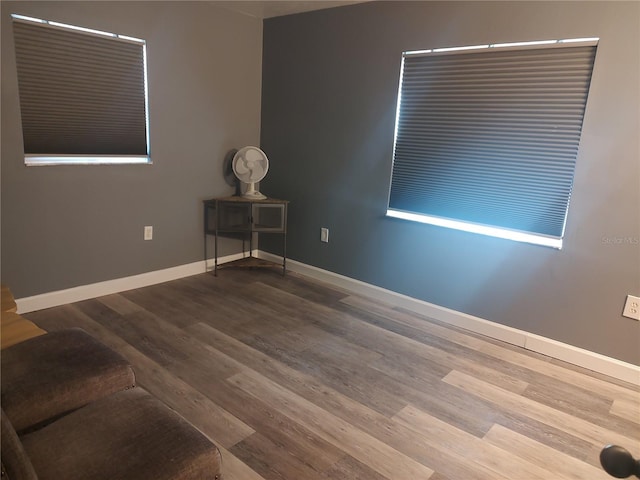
<point x="80" y="93"/>
<point x="491" y="137"/>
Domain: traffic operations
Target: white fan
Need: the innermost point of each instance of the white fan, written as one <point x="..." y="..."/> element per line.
<point x="250" y="165"/>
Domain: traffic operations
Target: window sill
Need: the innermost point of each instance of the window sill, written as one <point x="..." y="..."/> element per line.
<point x="515" y="235"/>
<point x="48" y="160"/>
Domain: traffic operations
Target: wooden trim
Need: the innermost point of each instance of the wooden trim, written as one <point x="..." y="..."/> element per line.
<point x="7" y="302"/>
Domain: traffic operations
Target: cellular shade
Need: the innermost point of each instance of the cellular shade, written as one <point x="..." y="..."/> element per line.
<point x="80" y="93"/>
<point x="491" y="136"/>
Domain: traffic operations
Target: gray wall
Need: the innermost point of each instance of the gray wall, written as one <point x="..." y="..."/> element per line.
<point x="66" y="226"/>
<point x="330" y="81"/>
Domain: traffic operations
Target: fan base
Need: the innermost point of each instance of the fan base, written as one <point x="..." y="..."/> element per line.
<point x="254" y="195"/>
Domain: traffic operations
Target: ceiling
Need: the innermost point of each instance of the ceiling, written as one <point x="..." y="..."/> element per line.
<point x="276" y="8"/>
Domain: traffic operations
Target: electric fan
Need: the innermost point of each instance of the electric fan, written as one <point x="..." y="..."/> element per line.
<point x="250" y="165"/>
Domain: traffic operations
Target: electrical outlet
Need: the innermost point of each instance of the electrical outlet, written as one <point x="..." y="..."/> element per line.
<point x="632" y="307"/>
<point x="324" y="235"/>
<point x="148" y="232"/>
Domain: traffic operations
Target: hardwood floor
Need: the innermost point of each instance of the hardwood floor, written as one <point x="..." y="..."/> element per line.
<point x="297" y="380"/>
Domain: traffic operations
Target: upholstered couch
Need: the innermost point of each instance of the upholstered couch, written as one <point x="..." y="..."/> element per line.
<point x="71" y="410"/>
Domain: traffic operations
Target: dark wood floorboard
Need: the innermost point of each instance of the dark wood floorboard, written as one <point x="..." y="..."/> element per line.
<point x="294" y="379"/>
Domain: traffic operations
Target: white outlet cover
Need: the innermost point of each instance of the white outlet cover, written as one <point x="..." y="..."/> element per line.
<point x="148" y="232"/>
<point x="632" y="307"/>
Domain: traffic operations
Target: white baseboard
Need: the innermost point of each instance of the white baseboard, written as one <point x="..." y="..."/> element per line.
<point x="85" y="292"/>
<point x="562" y="351"/>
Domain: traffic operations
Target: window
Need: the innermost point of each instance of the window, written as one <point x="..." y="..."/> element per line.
<point x="487" y="137"/>
<point x="83" y="95"/>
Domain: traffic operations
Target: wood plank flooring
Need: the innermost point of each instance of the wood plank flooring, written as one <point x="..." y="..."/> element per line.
<point x="297" y="380"/>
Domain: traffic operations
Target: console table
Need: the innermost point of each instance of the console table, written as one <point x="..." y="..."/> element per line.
<point x="243" y="216"/>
